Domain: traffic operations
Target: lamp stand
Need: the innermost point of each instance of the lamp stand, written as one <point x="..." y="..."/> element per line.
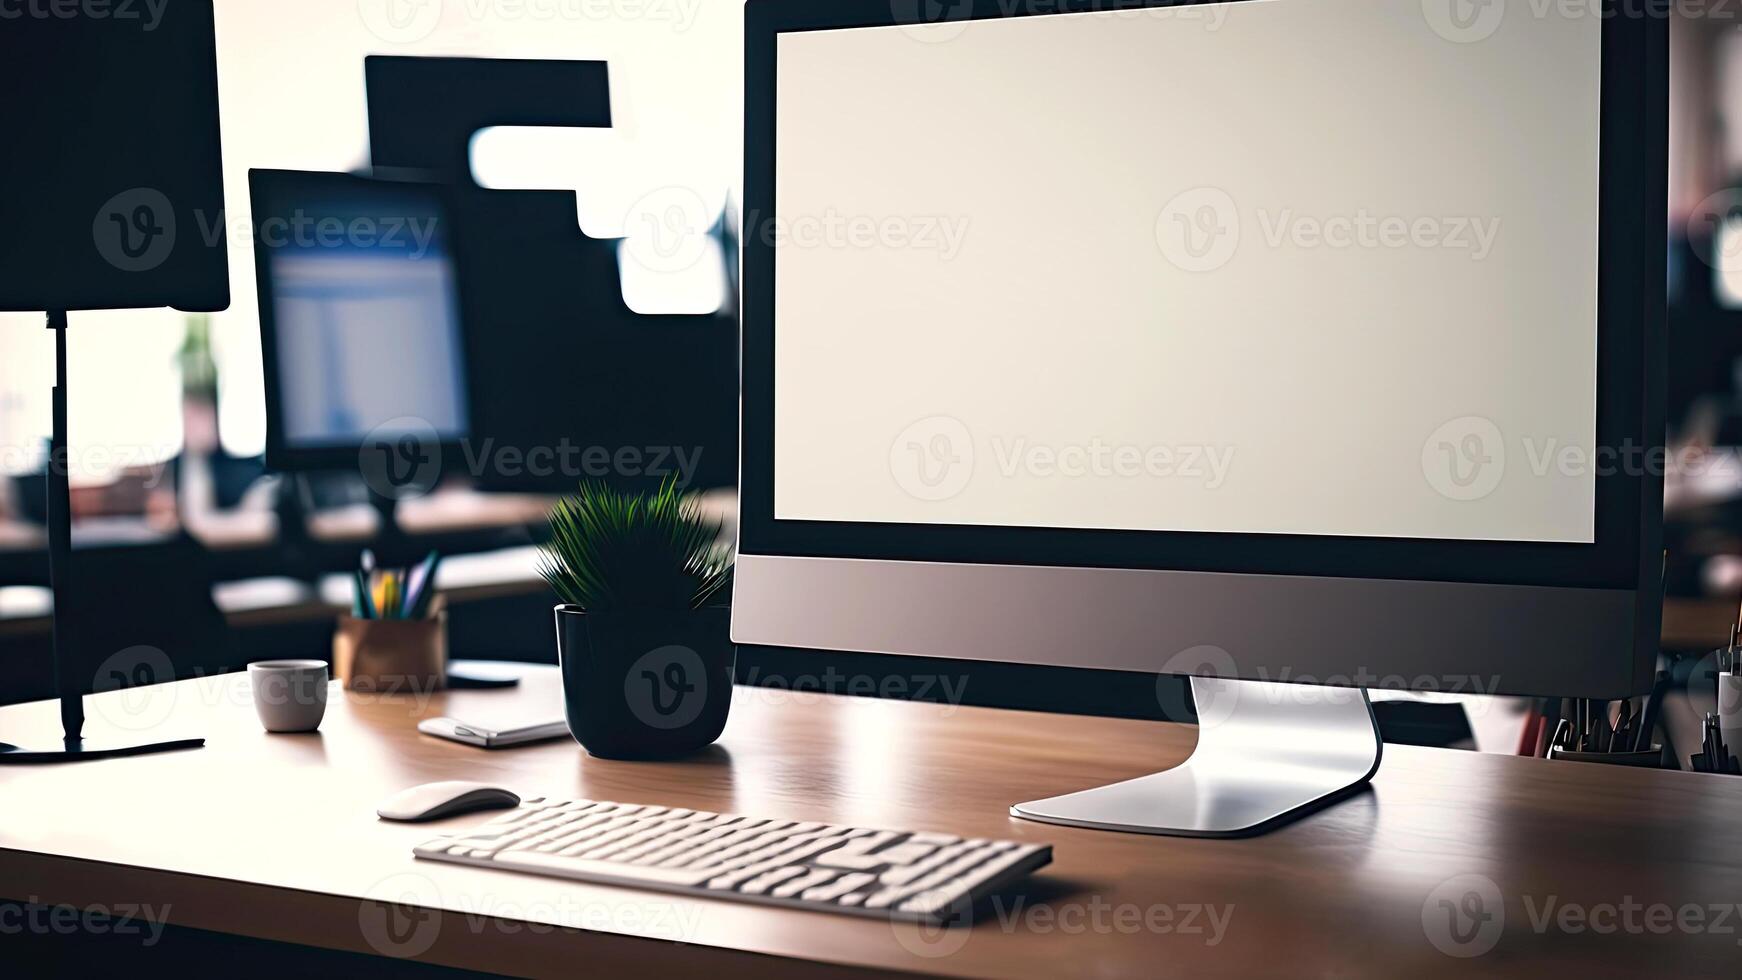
<point x="69" y="680"/>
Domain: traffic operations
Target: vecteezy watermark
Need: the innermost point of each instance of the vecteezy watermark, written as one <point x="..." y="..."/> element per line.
<point x="667" y="230"/>
<point x="1464" y="21"/>
<point x="1200" y="230"/>
<point x="134" y="231"/>
<point x="776" y="689"/>
<point x="401" y="458"/>
<point x="404" y="457"/>
<point x="403" y="915"/>
<point x="408" y="235"/>
<point x="1469" y="21"/>
<point x="933" y="459"/>
<point x="1214" y="703"/>
<point x="130" y="673"/>
<point x="34" y="917"/>
<point x="1465" y="458"/>
<point x="146" y="13"/>
<point x="1203" y="922"/>
<point x="1218" y="687"/>
<point x="940" y="233"/>
<point x="400" y="915"/>
<point x="1714" y="229"/>
<point x="149" y="463"/>
<point x="410" y="21"/>
<point x="666" y="687"/>
<point x="1465" y="916"/>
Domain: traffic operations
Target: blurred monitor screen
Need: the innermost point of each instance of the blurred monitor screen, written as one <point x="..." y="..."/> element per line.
<point x="359" y="312"/>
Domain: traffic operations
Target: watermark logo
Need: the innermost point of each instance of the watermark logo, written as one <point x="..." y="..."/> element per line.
<point x="125" y="919"/>
<point x="1464" y="916"/>
<point x="666" y="687"/>
<point x="1465" y="458"/>
<point x="933" y="458"/>
<point x="1215" y="701"/>
<point x="667" y="230"/>
<point x="936" y="938"/>
<point x="932" y="21"/>
<point x="949" y="690"/>
<point x="399" y="917"/>
<point x="1093" y="916"/>
<point x="146" y="13"/>
<point x="134" y="231"/>
<point x="1199" y="230"/>
<point x="133" y="704"/>
<point x="400" y="21"/>
<point x="401" y="458"/>
<point x="1464" y="21"/>
<point x="1715" y="230"/>
<point x="833" y="229"/>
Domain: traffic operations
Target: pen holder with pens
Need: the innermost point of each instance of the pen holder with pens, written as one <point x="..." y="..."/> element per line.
<point x="390" y="656"/>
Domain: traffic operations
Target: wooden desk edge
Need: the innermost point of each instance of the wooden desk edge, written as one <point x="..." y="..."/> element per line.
<point x="334" y="922"/>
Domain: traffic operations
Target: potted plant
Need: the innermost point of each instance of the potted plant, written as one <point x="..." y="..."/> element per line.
<point x="643" y="630"/>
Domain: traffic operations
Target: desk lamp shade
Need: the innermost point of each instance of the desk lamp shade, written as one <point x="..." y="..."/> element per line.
<point x="111" y="186"/>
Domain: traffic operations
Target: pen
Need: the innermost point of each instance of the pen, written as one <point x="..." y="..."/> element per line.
<point x="365" y="601"/>
<point x="1648" y="714"/>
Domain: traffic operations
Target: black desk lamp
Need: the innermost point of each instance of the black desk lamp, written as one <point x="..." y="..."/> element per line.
<point x="111" y="197"/>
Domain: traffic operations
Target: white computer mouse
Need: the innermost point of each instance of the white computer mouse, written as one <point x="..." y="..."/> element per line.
<point x="431" y="801"/>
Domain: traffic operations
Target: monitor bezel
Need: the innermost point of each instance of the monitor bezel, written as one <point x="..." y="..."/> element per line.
<point x="267" y="188"/>
<point x="1633" y="163"/>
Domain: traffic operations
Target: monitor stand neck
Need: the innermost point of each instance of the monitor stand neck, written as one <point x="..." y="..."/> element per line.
<point x="1266" y="753"/>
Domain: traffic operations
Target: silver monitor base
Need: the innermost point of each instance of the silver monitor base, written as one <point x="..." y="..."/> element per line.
<point x="1266" y="753"/>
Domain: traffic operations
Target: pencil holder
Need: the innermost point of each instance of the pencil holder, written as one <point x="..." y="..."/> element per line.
<point x="392" y="656"/>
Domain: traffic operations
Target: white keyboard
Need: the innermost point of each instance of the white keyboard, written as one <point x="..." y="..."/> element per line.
<point x="887" y="873"/>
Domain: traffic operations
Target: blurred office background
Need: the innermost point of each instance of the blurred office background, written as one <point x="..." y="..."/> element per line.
<point x="168" y="420"/>
<point x="168" y="415"/>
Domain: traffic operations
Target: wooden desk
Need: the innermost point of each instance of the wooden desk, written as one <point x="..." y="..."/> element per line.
<point x="274" y="837"/>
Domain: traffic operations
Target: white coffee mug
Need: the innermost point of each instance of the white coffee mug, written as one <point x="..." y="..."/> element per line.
<point x="289" y="695"/>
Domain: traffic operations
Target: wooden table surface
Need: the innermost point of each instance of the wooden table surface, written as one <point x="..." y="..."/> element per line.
<point x="1454" y="862"/>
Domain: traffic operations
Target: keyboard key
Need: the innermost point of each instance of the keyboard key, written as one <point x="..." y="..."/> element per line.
<point x="856" y="857"/>
<point x="763" y="882"/>
<point x="840" y="886"/>
<point x="816" y="877"/>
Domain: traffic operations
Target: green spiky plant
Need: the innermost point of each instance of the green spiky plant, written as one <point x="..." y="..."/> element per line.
<point x="611" y="550"/>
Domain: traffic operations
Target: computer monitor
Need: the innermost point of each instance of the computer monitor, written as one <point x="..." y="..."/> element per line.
<point x="1263" y="342"/>
<point x="360" y="325"/>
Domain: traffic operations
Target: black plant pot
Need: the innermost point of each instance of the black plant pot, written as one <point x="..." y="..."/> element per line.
<point x="644" y="684"/>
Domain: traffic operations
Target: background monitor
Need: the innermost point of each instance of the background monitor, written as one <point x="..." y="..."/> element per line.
<point x="1347" y="377"/>
<point x="359" y="314"/>
<point x="570" y="383"/>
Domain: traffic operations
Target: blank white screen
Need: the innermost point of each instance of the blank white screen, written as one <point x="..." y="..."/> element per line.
<point x="1289" y="267"/>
